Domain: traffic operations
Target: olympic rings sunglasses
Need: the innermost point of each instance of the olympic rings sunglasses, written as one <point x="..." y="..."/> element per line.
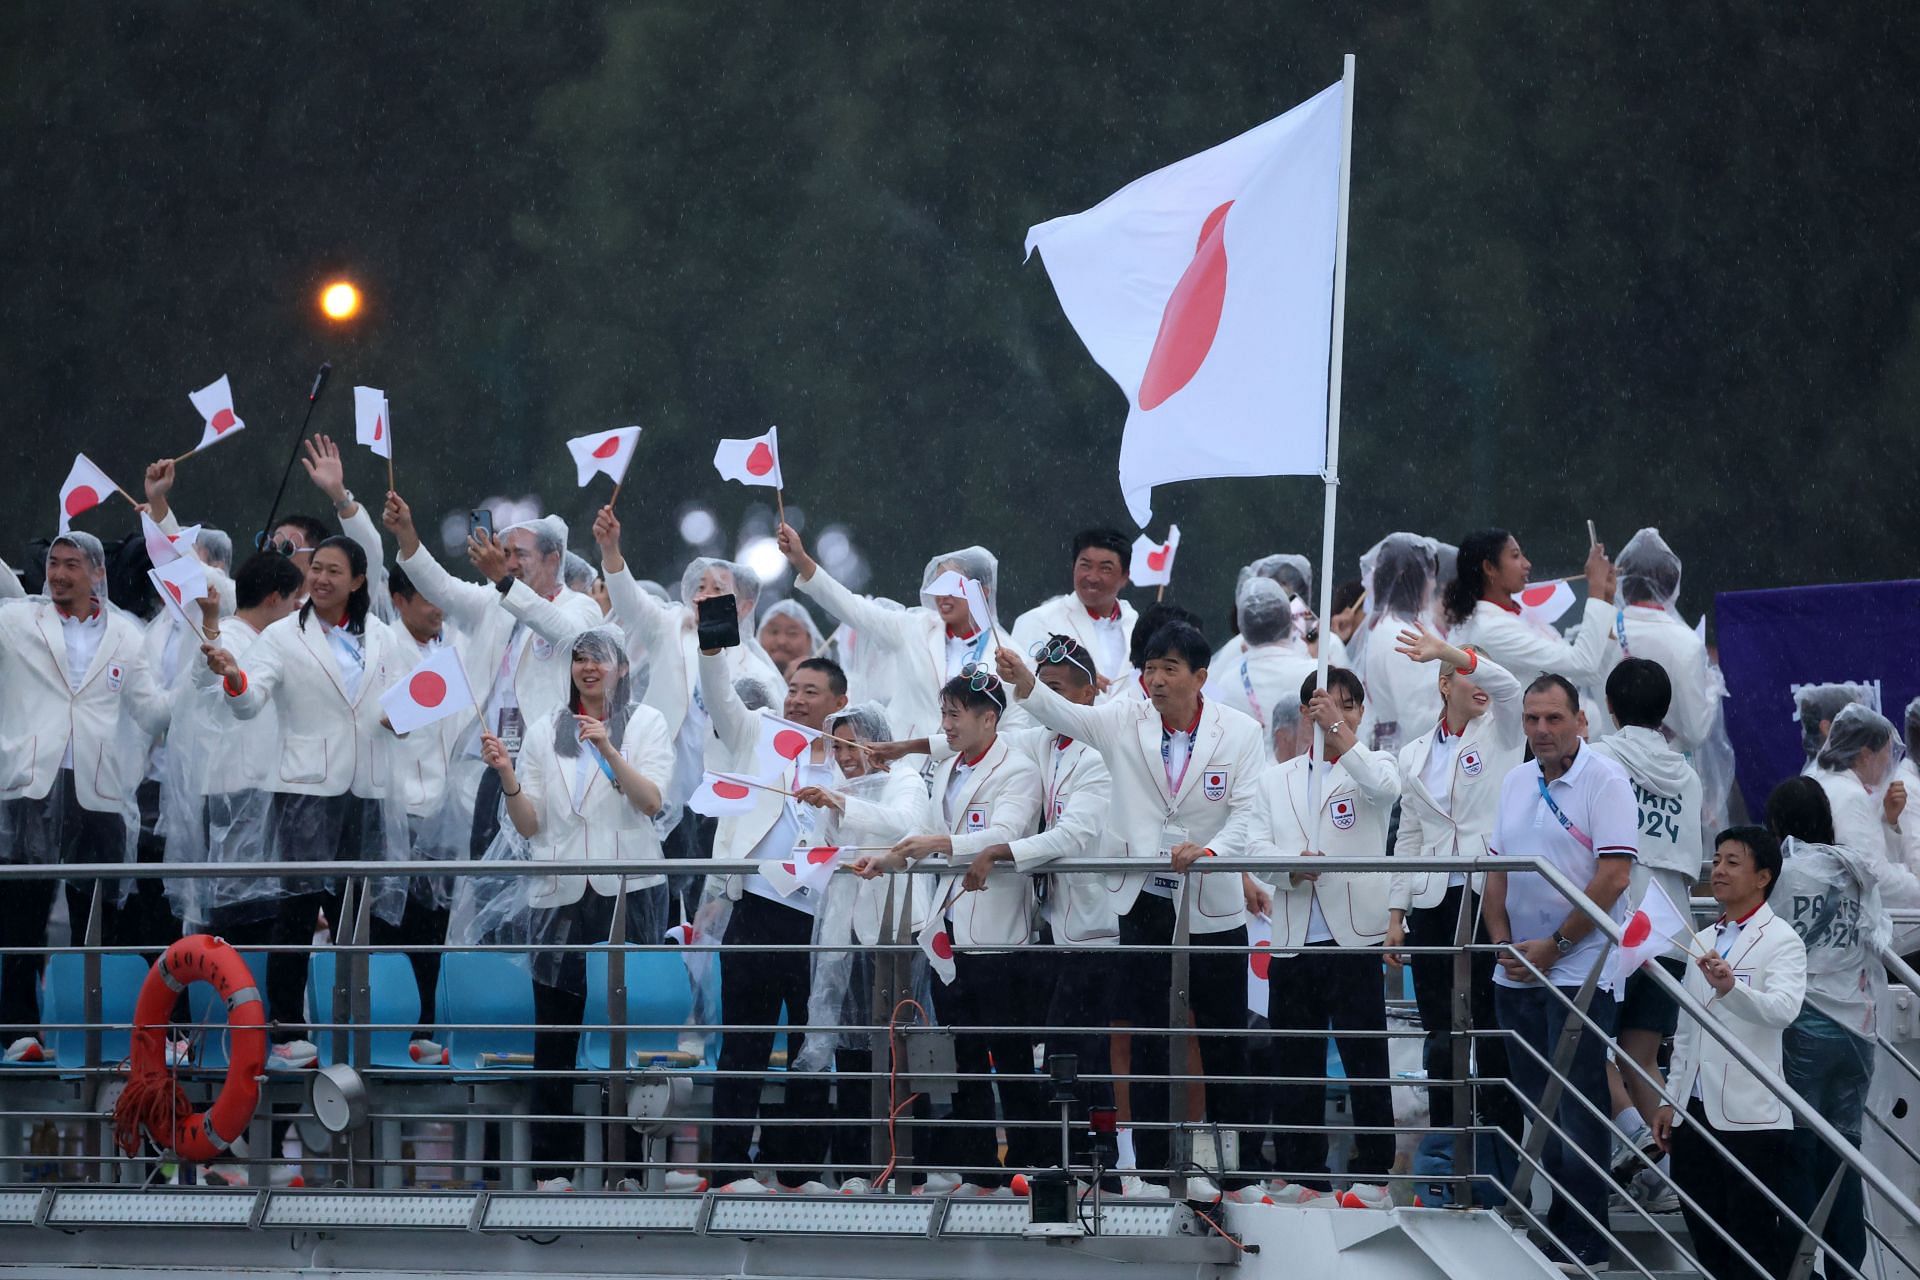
<point x="1055" y="650"/>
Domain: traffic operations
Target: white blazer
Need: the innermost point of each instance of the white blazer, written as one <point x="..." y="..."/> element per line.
<point x="220" y="756"/>
<point x="1527" y="651"/>
<point x="1490" y="746"/>
<point x="1066" y="616"/>
<point x="1212" y="806"/>
<point x="543" y="678"/>
<point x="1403" y="696"/>
<point x="1769" y="983"/>
<point x="1655" y="634"/>
<point x="917" y="639"/>
<point x="41" y="715"/>
<point x="603" y="824"/>
<point x="998" y="803"/>
<point x="1349" y="820"/>
<point x="1259" y="679"/>
<point x="330" y="743"/>
<point x="1075" y="794"/>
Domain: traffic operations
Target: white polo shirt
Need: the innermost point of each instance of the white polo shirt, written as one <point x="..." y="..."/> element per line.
<point x="1593" y="795"/>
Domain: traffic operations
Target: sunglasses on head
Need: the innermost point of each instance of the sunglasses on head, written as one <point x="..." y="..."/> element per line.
<point x="1055" y="650"/>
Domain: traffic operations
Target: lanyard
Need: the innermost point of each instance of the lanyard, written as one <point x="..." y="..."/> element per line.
<point x="1586" y="841"/>
<point x="1253" y="700"/>
<point x="1620" y="629"/>
<point x="1166" y="761"/>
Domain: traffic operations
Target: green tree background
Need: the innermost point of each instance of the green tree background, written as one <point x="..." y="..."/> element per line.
<point x="1644" y="263"/>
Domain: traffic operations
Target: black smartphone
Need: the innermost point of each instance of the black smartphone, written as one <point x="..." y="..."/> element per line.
<point x="479" y="520"/>
<point x="719" y="623"/>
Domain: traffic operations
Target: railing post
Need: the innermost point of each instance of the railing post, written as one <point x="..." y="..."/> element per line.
<point x="617" y="1015"/>
<point x="1465" y="1145"/>
<point x="1179" y="1005"/>
<point x="899" y="987"/>
<point x="359" y="963"/>
<point x="92" y="1003"/>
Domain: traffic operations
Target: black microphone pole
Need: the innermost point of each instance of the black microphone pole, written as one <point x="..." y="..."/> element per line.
<point x="265" y="535"/>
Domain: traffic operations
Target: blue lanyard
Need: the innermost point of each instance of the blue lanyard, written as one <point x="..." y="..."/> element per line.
<point x="1586" y="841"/>
<point x="1252" y="701"/>
<point x="1620" y="629"/>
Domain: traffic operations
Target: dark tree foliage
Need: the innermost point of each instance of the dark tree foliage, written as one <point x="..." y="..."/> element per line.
<point x="1645" y="263"/>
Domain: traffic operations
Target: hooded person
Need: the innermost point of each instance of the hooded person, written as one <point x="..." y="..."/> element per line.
<point x="74" y="682"/>
<point x="1093" y="613"/>
<point x="787" y="633"/>
<point x="1269" y="667"/>
<point x="1907" y="778"/>
<point x="1294" y="575"/>
<point x="1815" y="706"/>
<point x="585" y="787"/>
<point x="929" y="644"/>
<point x="1647" y="624"/>
<point x="1855" y="768"/>
<point x="334" y="783"/>
<point x="1402" y="577"/>
<point x="518" y="630"/>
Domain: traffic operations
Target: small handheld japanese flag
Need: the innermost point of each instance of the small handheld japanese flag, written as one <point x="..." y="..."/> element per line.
<point x="1655" y="929"/>
<point x="87" y="487"/>
<point x="938" y="943"/>
<point x="721" y="795"/>
<point x="1543" y="604"/>
<point x="952" y="583"/>
<point x="755" y="461"/>
<point x="431" y="692"/>
<point x="808" y="869"/>
<point x="604" y="453"/>
<point x="1259" y="962"/>
<point x="372" y="423"/>
<point x="164" y="547"/>
<point x="1153" y="561"/>
<point x="177" y="582"/>
<point x="215" y="403"/>
<point x="781" y="744"/>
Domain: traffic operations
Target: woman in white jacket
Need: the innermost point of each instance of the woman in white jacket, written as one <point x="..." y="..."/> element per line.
<point x="1855" y="769"/>
<point x="1753" y="980"/>
<point x="588" y="781"/>
<point x="322" y="671"/>
<point x="1481" y="613"/>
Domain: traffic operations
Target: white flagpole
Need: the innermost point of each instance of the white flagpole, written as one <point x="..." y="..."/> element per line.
<point x="1332" y="473"/>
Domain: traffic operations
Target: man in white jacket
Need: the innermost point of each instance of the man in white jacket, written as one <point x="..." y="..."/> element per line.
<point x="1092" y="613"/>
<point x="1270" y="667"/>
<point x="1341" y="807"/>
<point x="1668" y="793"/>
<point x="72" y="670"/>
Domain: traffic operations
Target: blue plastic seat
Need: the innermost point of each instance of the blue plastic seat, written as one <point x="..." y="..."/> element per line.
<point x="485" y="988"/>
<point x="63" y="998"/>
<point x="212" y="1045"/>
<point x="393" y="999"/>
<point x="659" y="994"/>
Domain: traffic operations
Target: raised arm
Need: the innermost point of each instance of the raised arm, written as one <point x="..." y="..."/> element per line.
<point x="320" y="457"/>
<point x="885" y="628"/>
<point x="736" y="727"/>
<point x="10" y="588"/>
<point x="1092" y="725"/>
<point x="465" y="603"/>
<point x="652" y="624"/>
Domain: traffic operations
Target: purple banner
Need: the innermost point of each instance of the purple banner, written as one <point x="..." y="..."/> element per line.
<point x="1772" y="642"/>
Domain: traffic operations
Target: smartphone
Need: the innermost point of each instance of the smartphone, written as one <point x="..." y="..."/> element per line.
<point x="479" y="520"/>
<point x="719" y="619"/>
<point x="1593" y="539"/>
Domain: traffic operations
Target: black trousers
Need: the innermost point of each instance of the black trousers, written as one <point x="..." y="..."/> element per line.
<point x="991" y="990"/>
<point x="53" y="829"/>
<point x="1729" y="1199"/>
<point x="1217" y="998"/>
<point x="1317" y="989"/>
<point x="421" y="924"/>
<point x="754" y="985"/>
<point x="486" y="814"/>
<point x="1433" y="994"/>
<point x="853" y="1137"/>
<point x="306" y="828"/>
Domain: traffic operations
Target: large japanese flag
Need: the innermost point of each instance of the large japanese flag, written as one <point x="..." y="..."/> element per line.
<point x="373" y="421"/>
<point x="1153" y="561"/>
<point x="604" y="453"/>
<point x="215" y="403"/>
<point x="86" y="487"/>
<point x="431" y="692"/>
<point x="755" y="461"/>
<point x="1206" y="290"/>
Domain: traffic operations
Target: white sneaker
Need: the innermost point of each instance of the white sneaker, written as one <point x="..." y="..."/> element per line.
<point x="1134" y="1187"/>
<point x="428" y="1053"/>
<point x="27" y="1049"/>
<point x="555" y="1185"/>
<point x="744" y="1187"/>
<point x="811" y="1187"/>
<point x="179" y="1053"/>
<point x="939" y="1184"/>
<point x="856" y="1187"/>
<point x="1280" y="1191"/>
<point x="1655" y="1194"/>
<point x="1249" y="1195"/>
<point x="682" y="1183"/>
<point x="970" y="1191"/>
<point x="294" y="1055"/>
<point x="1203" y="1190"/>
<point x="1366" y="1195"/>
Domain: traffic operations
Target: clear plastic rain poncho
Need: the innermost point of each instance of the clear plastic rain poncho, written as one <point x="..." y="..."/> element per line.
<point x="1265" y="611"/>
<point x="1815" y="703"/>
<point x="1403" y="574"/>
<point x="1913" y="733"/>
<point x="744" y="586"/>
<point x="1293" y="572"/>
<point x="578" y="573"/>
<point x="1863" y="741"/>
<point x="870" y="670"/>
<point x="1649" y="572"/>
<point x="975" y="562"/>
<point x="1830" y="895"/>
<point x="507" y="910"/>
<point x="795" y="612"/>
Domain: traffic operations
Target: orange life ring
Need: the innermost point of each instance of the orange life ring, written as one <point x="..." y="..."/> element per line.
<point x="153" y="1102"/>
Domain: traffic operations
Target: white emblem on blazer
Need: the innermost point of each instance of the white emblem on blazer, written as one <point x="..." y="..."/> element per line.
<point x="976" y="817"/>
<point x="1215" y="784"/>
<point x="1470" y="764"/>
<point x="1343" y="812"/>
<point x="116" y="676"/>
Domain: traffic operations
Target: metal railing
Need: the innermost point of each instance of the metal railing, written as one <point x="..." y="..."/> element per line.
<point x="65" y="1095"/>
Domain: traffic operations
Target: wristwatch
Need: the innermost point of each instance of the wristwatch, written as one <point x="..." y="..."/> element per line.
<point x="346" y="500"/>
<point x="1562" y="942"/>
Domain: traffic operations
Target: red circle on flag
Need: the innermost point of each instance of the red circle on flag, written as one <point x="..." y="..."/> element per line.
<point x="1157" y="560"/>
<point x="1191" y="317"/>
<point x="789" y="868"/>
<point x="222" y="421"/>
<point x="1534" y="597"/>
<point x="730" y="791"/>
<point x="428" y="689"/>
<point x="1637" y="930"/>
<point x="174" y="591"/>
<point x="760" y="461"/>
<point x="607" y="448"/>
<point x="822" y="853"/>
<point x="1260" y="959"/>
<point x="379" y="426"/>
<point x="942" y="945"/>
<point x="83" y="498"/>
<point x="789" y="744"/>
